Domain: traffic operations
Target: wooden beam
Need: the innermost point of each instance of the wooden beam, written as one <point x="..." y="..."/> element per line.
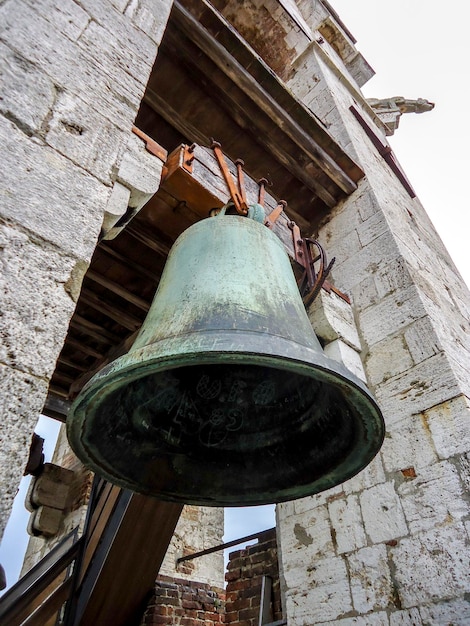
<point x="56" y="407"/>
<point x="118" y="290"/>
<point x="122" y="571"/>
<point x="93" y="330"/>
<point x="152" y="241"/>
<point x="261" y="91"/>
<point x="128" y="263"/>
<point x="72" y="364"/>
<point x="83" y="347"/>
<point x="110" y="310"/>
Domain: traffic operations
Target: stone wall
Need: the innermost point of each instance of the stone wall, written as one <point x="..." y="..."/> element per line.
<point x="73" y="75"/>
<point x="391" y="545"/>
<point x="198" y="528"/>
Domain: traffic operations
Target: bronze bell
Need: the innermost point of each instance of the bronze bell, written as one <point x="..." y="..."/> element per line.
<point x="226" y="397"/>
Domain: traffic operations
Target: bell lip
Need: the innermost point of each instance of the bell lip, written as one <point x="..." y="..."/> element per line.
<point x="321" y="366"/>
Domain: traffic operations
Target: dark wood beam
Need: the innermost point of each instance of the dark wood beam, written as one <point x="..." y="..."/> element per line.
<point x="149" y="239"/>
<point x="93" y="330"/>
<point x="120" y="291"/>
<point x="128" y="263"/>
<point x="110" y="310"/>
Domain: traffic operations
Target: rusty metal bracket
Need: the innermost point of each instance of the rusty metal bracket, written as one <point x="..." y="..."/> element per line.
<point x="312" y="279"/>
<point x="237" y="195"/>
<point x="272" y="218"/>
<point x="188" y="158"/>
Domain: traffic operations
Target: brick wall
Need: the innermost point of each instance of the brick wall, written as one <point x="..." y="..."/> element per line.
<point x="246" y="569"/>
<point x="179" y="602"/>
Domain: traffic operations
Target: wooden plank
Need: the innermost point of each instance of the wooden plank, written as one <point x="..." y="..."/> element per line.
<point x="152" y="241"/>
<point x="204" y="189"/>
<point x="100" y="518"/>
<point x="117" y="289"/>
<point x="122" y="348"/>
<point x="128" y="572"/>
<point x="109" y="310"/>
<point x="72" y="364"/>
<point x="93" y="330"/>
<point x="56" y="407"/>
<point x="128" y="263"/>
<point x="244" y="110"/>
<point x="45" y="614"/>
<point x="82" y="347"/>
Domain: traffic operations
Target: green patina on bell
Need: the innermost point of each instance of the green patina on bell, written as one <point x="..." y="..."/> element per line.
<point x="226" y="397"/>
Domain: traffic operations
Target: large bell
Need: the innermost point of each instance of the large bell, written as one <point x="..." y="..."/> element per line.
<point x="226" y="397"/>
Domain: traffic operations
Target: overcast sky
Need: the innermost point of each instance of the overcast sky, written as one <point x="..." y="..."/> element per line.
<point x="418" y="49"/>
<point x="421" y="49"/>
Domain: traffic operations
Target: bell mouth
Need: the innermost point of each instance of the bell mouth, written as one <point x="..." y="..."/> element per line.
<point x="231" y="430"/>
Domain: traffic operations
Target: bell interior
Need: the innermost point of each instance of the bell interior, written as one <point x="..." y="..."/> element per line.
<point x="227" y="434"/>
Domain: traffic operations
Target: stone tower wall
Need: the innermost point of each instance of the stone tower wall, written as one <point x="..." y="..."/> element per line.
<point x="391" y="545"/>
<point x="73" y="75"/>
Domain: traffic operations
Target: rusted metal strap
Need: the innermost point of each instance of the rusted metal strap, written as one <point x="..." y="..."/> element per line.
<point x="272" y="218"/>
<point x="238" y="198"/>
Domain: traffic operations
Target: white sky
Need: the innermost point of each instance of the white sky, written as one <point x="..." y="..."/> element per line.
<point x="419" y="49"/>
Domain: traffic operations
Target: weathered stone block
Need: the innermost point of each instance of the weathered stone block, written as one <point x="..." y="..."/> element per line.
<point x="150" y="16"/>
<point x="351" y="271"/>
<point x="306" y="537"/>
<point x="341" y="352"/>
<point x="371" y="583"/>
<point x="119" y="54"/>
<point x="35" y="307"/>
<point x="310" y="502"/>
<point x="372" y="475"/>
<point x="332" y="318"/>
<point x="392" y="313"/>
<point x="449" y="423"/>
<point x="382" y="513"/>
<point x="51" y="487"/>
<point x="347" y="524"/>
<point x="371" y="228"/>
<point x="434" y="498"/>
<point x="115" y="209"/>
<point x="87" y="138"/>
<point x="115" y="94"/>
<point x="27" y="93"/>
<point x="140" y="171"/>
<point x="386" y="359"/>
<point x="395" y="276"/>
<point x="317" y="592"/>
<point x="425" y="385"/>
<point x="49" y="195"/>
<point x="45" y="521"/>
<point x="422" y="340"/>
<point x="406" y="618"/>
<point x="21" y="401"/>
<point x="407" y="443"/>
<point x="452" y="613"/>
<point x="66" y="16"/>
<point x="432" y="566"/>
<point x="373" y="619"/>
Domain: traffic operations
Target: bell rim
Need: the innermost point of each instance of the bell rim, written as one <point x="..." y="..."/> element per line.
<point x="320" y="367"/>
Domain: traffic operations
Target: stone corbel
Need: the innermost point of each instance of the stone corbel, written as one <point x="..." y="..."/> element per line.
<point x="47" y="499"/>
<point x="137" y="180"/>
<point x="333" y="322"/>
